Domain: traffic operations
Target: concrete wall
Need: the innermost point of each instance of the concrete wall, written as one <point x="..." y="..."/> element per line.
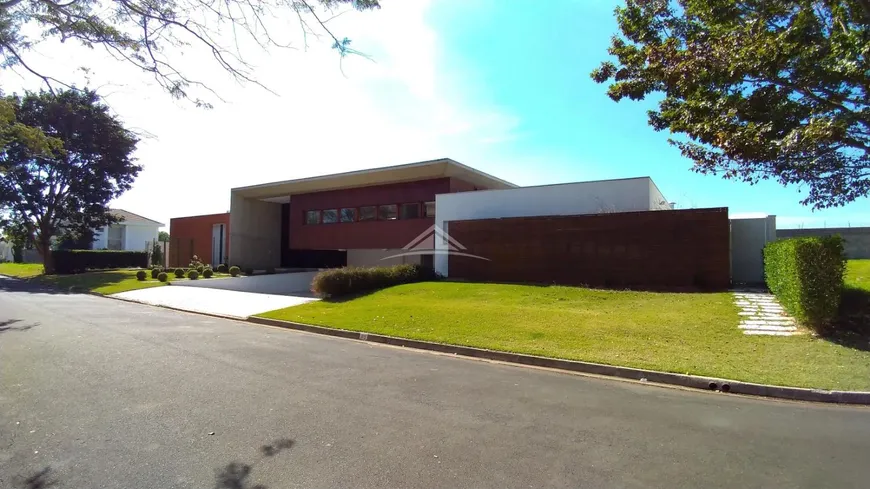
<point x="748" y="238"/>
<point x="570" y="199"/>
<point x="857" y="240"/>
<point x="255" y="233"/>
<point x="374" y="258"/>
<point x="192" y="235"/>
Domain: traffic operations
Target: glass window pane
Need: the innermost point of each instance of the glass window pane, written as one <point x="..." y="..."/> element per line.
<point x="410" y="211"/>
<point x="368" y="213"/>
<point x="330" y="216"/>
<point x="388" y="212"/>
<point x="348" y="215"/>
<point x="429" y="209"/>
<point x="312" y="217"/>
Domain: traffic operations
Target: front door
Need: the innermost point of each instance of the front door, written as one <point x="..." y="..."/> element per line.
<point x="218" y="245"/>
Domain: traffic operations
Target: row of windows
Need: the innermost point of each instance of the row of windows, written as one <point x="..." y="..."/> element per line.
<point x="389" y="212"/>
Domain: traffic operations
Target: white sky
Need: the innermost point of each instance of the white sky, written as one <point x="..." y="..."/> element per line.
<point x="398" y="108"/>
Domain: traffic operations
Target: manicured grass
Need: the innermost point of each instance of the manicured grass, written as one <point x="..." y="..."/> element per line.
<point x="106" y="282"/>
<point x="675" y="332"/>
<point x="857" y="274"/>
<point x="21" y="270"/>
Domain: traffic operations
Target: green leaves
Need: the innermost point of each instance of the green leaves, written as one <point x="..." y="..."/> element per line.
<point x="806" y="275"/>
<point x="774" y="89"/>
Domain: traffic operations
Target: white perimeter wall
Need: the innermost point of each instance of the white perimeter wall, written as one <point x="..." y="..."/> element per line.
<point x="628" y="195"/>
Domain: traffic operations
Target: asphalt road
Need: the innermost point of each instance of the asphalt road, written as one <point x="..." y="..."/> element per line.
<point x="97" y="393"/>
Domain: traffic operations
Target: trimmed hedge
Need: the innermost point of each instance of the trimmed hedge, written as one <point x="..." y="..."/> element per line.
<point x="351" y="280"/>
<point x="155" y="272"/>
<point x="141" y="275"/>
<point x="806" y="275"/>
<point x="78" y="261"/>
<point x="222" y="268"/>
<point x="179" y="273"/>
<point x="234" y="271"/>
<point x="193" y="275"/>
<point x="162" y="277"/>
<point x="207" y="273"/>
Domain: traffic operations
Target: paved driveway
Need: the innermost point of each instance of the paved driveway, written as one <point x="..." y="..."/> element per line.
<point x="213" y="301"/>
<point x="111" y="394"/>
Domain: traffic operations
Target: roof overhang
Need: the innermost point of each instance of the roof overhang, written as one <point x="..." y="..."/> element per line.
<point x="424" y="170"/>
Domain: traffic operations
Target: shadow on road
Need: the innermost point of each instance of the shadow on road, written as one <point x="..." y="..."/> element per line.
<point x="38" y="480"/>
<point x="7" y="325"/>
<point x="234" y="475"/>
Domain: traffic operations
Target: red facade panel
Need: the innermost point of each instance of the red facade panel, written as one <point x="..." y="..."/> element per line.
<point x="363" y="234"/>
<point x="192" y="236"/>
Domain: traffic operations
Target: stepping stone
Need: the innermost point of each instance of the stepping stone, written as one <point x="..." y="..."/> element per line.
<point x="767" y="327"/>
<point x="771" y="333"/>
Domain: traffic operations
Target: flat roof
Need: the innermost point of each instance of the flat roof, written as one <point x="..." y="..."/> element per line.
<point x="423" y="170"/>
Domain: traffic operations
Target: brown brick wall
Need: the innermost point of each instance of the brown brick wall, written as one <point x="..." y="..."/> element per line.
<point x="190" y="236"/>
<point x="654" y="249"/>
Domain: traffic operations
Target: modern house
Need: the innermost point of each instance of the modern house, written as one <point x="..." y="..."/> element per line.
<point x="132" y="233"/>
<point x="206" y="237"/>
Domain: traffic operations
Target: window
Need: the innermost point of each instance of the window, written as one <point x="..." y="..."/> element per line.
<point x="388" y="212"/>
<point x="115" y="238"/>
<point x="312" y="217"/>
<point x="429" y="209"/>
<point x="348" y="215"/>
<point x="410" y="211"/>
<point x="368" y="213"/>
<point x="330" y="216"/>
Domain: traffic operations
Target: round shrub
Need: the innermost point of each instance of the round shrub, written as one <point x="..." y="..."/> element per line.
<point x="193" y="275"/>
<point x="207" y="273"/>
<point x="141" y="275"/>
<point x="162" y="277"/>
<point x="200" y="269"/>
<point x="155" y="272"/>
<point x="222" y="268"/>
<point x="179" y="273"/>
<point x="235" y="271"/>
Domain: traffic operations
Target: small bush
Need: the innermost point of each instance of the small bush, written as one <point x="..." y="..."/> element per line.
<point x="179" y="273"/>
<point x="141" y="275"/>
<point x="235" y="271"/>
<point x="249" y="271"/>
<point x="222" y="268"/>
<point x="207" y="273"/>
<point x="806" y="275"/>
<point x="343" y="281"/>
<point x="155" y="272"/>
<point x="162" y="277"/>
<point x="193" y="275"/>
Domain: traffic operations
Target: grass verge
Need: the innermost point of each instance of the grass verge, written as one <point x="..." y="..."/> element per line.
<point x="690" y="333"/>
<point x="21" y="270"/>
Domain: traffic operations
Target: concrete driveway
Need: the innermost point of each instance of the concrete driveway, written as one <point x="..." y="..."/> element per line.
<point x="220" y="302"/>
<point x="296" y="284"/>
<point x="96" y="393"/>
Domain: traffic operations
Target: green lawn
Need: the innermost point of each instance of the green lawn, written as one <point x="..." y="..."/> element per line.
<point x="105" y="282"/>
<point x="21" y="270"/>
<point x="858" y="274"/>
<point x="676" y="332"/>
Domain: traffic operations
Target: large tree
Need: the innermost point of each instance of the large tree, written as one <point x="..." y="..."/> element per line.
<point x="146" y="33"/>
<point x="62" y="188"/>
<point x="757" y="89"/>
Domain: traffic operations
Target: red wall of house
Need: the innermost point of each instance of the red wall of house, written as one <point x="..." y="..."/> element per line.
<point x="190" y="236"/>
<point x="366" y="234"/>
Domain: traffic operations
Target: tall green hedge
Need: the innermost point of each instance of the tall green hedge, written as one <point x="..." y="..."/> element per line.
<point x="78" y="261"/>
<point x="337" y="282"/>
<point x="806" y="275"/>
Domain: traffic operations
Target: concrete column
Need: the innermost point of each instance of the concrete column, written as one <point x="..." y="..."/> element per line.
<point x="255" y="233"/>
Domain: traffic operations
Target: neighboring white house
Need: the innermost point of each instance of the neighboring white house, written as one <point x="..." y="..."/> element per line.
<point x="133" y="233"/>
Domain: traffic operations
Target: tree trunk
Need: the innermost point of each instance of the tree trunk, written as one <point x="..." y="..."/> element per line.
<point x="44" y="248"/>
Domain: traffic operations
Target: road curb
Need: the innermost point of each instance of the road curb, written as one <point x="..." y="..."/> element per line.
<point x="691" y="381"/>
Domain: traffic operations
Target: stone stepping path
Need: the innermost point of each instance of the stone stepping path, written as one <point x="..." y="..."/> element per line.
<point x="761" y="314"/>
